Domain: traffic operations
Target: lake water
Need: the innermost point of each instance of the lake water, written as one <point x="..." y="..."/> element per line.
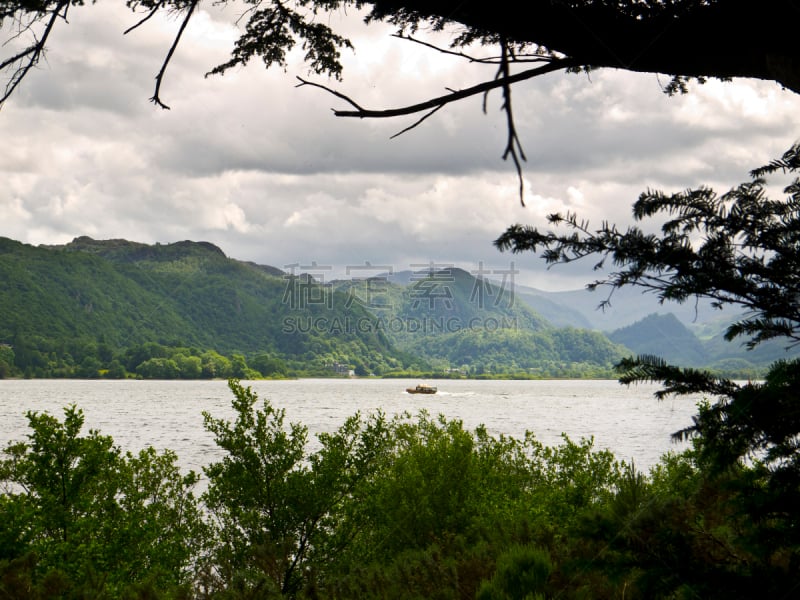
<point x="167" y="414"/>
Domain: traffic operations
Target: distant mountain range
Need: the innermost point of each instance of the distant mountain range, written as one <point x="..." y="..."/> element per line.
<point x="625" y="307"/>
<point x="115" y="308"/>
<point x="456" y="321"/>
<point x="687" y="334"/>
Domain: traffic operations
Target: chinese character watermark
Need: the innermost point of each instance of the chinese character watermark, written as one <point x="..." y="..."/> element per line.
<point x="368" y="286"/>
<point x="483" y="288"/>
<point x="307" y="288"/>
<point x="432" y="285"/>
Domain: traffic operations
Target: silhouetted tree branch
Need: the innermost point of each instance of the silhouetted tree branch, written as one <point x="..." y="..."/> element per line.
<point x="513" y="145"/>
<point x="486" y="60"/>
<point x="504" y="80"/>
<point x="153" y="11"/>
<point x="23" y="61"/>
<point x="156" y="98"/>
<point x="682" y="38"/>
<point x="454" y="96"/>
<point x="740" y="248"/>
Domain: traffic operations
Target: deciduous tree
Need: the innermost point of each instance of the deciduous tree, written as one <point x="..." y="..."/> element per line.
<point x="80" y="515"/>
<point x="277" y="507"/>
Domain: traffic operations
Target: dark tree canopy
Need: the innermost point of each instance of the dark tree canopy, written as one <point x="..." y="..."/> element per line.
<point x="740" y="248"/>
<point x="698" y="38"/>
<point x="680" y="38"/>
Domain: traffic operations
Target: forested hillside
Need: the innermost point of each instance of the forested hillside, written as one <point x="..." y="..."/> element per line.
<point x="481" y="327"/>
<point x="664" y="336"/>
<point x="117" y="308"/>
<point x="176" y="310"/>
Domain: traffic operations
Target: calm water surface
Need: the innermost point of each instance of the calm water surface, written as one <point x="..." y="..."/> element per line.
<point x="167" y="414"/>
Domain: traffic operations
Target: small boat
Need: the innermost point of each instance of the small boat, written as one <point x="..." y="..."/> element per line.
<point x="422" y="389"/>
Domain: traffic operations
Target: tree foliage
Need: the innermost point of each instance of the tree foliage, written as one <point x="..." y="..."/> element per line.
<point x="275" y="506"/>
<point x="82" y="518"/>
<point x="740" y="249"/>
<point x="378" y="498"/>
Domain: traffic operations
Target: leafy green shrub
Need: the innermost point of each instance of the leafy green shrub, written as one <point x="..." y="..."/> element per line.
<point x="78" y="515"/>
<point x="522" y="573"/>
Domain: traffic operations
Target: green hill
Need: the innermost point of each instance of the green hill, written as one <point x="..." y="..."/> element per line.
<point x="667" y="337"/>
<point x="94" y="302"/>
<point x="459" y="322"/>
<point x="114" y="308"/>
<point x="562" y="352"/>
<point x="664" y="336"/>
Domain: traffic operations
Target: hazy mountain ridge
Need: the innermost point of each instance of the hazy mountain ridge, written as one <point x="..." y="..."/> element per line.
<point x="625" y="307"/>
<point x="665" y="336"/>
<point x="481" y="326"/>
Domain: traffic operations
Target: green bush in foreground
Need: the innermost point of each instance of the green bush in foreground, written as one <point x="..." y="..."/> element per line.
<point x="82" y="519"/>
<point x="403" y="507"/>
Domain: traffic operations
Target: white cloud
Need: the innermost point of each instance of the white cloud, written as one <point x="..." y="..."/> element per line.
<point x="12" y="211"/>
<point x="575" y="198"/>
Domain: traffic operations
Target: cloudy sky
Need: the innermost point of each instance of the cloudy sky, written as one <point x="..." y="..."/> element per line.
<point x="265" y="171"/>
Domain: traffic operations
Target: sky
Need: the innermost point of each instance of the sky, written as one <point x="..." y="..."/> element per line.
<point x="264" y="170"/>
